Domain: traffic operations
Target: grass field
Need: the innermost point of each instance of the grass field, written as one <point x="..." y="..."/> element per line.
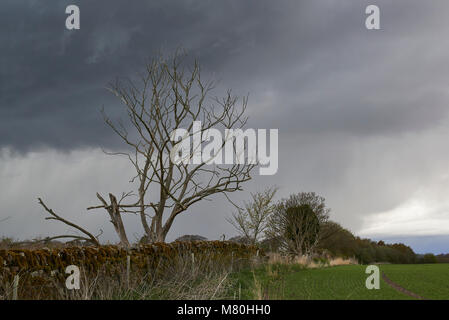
<point x="430" y="281"/>
<point x="340" y="282"/>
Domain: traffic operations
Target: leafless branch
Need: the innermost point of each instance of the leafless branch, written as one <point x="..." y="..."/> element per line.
<point x="91" y="238"/>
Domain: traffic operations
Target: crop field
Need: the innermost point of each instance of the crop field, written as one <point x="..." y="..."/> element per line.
<point x="342" y="282"/>
<point x="430" y="281"/>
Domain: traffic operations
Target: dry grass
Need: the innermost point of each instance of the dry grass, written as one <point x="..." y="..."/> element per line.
<point x="276" y="258"/>
<point x="342" y="262"/>
<point x="257" y="289"/>
<point x="180" y="284"/>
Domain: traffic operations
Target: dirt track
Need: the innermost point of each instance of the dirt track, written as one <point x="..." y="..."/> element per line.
<point x="401" y="289"/>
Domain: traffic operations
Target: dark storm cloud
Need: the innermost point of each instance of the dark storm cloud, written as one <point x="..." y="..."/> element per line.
<point x="323" y="67"/>
<point x="52" y="79"/>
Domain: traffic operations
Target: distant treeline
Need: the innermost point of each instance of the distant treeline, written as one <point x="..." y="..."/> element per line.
<point x="337" y="241"/>
<point x="443" y="258"/>
<point x="341" y="242"/>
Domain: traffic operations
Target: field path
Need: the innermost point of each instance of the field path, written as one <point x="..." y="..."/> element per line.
<point x="396" y="286"/>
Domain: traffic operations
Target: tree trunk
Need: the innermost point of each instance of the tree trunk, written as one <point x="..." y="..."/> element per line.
<point x="114" y="213"/>
<point x="117" y="221"/>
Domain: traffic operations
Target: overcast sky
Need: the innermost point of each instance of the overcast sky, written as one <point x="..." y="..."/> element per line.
<point x="362" y="114"/>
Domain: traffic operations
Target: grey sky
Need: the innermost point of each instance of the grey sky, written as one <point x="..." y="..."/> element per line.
<point x="362" y="115"/>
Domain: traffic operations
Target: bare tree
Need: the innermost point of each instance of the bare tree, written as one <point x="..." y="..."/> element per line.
<point x="168" y="96"/>
<point x="315" y="201"/>
<point x="295" y="228"/>
<point x="115" y="214"/>
<point x="251" y="221"/>
<point x="90" y="238"/>
<point x="302" y="230"/>
<point x="296" y="223"/>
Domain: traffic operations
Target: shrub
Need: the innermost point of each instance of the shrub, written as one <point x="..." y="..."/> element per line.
<point x="429" y="258"/>
<point x="191" y="237"/>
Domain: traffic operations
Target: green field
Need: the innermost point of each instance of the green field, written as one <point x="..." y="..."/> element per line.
<point x="340" y="282"/>
<point x="430" y="281"/>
